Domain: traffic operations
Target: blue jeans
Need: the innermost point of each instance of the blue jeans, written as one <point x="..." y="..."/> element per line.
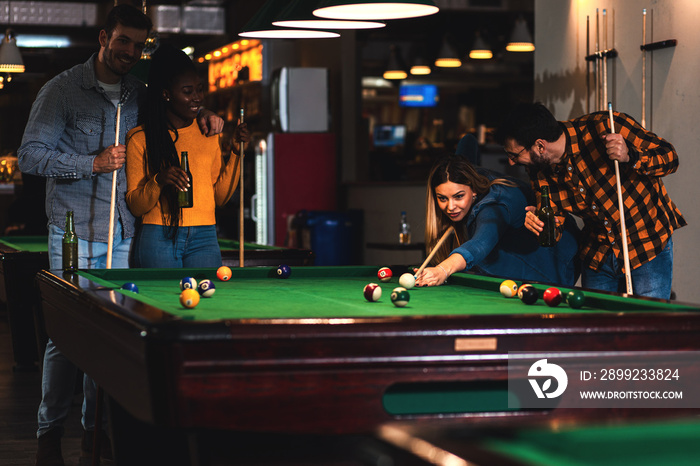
<point x="652" y="279"/>
<point x="59" y="374"/>
<point x="196" y="246"/>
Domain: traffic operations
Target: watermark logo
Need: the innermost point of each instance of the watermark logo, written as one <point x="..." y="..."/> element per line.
<point x="543" y="371"/>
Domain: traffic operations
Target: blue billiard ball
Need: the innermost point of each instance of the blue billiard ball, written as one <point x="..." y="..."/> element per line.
<point x="284" y="271"/>
<point x="130" y="287"/>
<point x="188" y="283"/>
<point x="206" y="288"/>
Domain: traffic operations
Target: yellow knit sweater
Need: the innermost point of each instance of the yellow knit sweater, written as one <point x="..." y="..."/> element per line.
<point x="213" y="182"/>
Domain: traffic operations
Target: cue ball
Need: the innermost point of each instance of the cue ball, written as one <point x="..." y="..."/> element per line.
<point x="552" y="296"/>
<point x="189" y="298"/>
<point x="372" y="292"/>
<point x="384" y="274"/>
<point x="131" y="287"/>
<point x="407" y="280"/>
<point x="509" y="288"/>
<point x="206" y="288"/>
<point x="400" y="298"/>
<point x="284" y="271"/>
<point x="575" y="299"/>
<point x="223" y="273"/>
<point x="528" y="295"/>
<point x="188" y="283"/>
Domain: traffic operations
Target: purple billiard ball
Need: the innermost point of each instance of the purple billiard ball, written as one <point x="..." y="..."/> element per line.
<point x="284" y="271"/>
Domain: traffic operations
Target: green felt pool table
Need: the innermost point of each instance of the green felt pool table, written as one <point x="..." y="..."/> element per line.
<point x="640" y="443"/>
<point x="310" y="354"/>
<point x="21" y="257"/>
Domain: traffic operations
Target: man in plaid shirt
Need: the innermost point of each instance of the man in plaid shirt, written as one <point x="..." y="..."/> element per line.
<point x="575" y="159"/>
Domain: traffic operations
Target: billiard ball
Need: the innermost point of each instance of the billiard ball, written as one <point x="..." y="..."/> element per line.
<point x="520" y="290"/>
<point x="188" y="283"/>
<point x="400" y="298"/>
<point x="509" y="288"/>
<point x="130" y="287"/>
<point x="284" y="271"/>
<point x="575" y="299"/>
<point x="372" y="292"/>
<point x="384" y="274"/>
<point x="528" y="295"/>
<point x="206" y="288"/>
<point x="407" y="280"/>
<point x="552" y="296"/>
<point x="189" y="298"/>
<point x="223" y="273"/>
<point x="399" y="288"/>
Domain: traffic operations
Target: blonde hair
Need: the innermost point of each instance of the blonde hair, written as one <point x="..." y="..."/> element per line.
<point x="455" y="169"/>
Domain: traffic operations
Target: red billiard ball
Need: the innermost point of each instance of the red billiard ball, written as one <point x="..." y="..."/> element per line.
<point x="384" y="274"/>
<point x="372" y="292"/>
<point x="552" y="296"/>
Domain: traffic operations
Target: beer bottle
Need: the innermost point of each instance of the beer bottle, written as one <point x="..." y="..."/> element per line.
<point x="184" y="198"/>
<point x="548" y="235"/>
<point x="404" y="230"/>
<point x="70" y="245"/>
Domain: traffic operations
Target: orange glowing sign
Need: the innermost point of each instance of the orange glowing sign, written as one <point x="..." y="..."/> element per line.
<point x="227" y="63"/>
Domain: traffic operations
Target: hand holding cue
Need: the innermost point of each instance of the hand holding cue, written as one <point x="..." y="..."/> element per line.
<point x="241" y="237"/>
<point x="110" y="240"/>
<point x="621" y="207"/>
<point x="445" y="235"/>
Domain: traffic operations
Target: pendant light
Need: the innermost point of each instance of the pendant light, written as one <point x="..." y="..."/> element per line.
<point x="10" y="58"/>
<point x="480" y="50"/>
<point x="299" y="14"/>
<point x="448" y="56"/>
<point x="521" y="40"/>
<point x="395" y="68"/>
<point x="375" y="10"/>
<point x="260" y="25"/>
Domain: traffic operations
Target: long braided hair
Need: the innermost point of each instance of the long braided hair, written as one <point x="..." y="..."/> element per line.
<point x="167" y="64"/>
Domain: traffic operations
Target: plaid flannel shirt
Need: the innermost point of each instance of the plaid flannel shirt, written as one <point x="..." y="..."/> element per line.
<point x="584" y="184"/>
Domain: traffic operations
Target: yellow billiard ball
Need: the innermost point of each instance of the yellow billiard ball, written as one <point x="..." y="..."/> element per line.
<point x="189" y="298"/>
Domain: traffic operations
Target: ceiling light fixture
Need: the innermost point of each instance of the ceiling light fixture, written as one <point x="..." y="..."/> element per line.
<point x="448" y="56"/>
<point x="299" y="14"/>
<point x="10" y="58"/>
<point x="260" y="25"/>
<point x="480" y="50"/>
<point x="521" y="40"/>
<point x="395" y="68"/>
<point x="375" y="10"/>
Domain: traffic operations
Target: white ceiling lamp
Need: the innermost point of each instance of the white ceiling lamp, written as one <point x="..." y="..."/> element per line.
<point x="260" y="25"/>
<point x="299" y="14"/>
<point x="375" y="10"/>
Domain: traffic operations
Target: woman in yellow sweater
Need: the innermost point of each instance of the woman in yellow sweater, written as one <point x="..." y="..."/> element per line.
<point x="172" y="236"/>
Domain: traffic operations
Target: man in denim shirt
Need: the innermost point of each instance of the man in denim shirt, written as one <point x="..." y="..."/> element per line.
<point x="69" y="139"/>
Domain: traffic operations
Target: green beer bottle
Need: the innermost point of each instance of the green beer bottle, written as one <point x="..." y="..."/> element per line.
<point x="548" y="235"/>
<point x="184" y="198"/>
<point x="70" y="245"/>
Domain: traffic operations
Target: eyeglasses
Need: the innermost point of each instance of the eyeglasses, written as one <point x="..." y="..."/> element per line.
<point x="512" y="155"/>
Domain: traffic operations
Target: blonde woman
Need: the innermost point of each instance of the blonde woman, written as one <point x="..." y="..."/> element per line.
<point x="487" y="211"/>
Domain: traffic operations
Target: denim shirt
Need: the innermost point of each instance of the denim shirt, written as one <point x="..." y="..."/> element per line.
<point x="501" y="246"/>
<point x="71" y="121"/>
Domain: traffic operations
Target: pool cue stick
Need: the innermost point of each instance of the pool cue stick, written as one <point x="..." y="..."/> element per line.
<point x="241" y="225"/>
<point x="644" y="69"/>
<point x="621" y="206"/>
<point x="597" y="66"/>
<point x="445" y="235"/>
<point x="605" y="56"/>
<point x="110" y="240"/>
<point x="588" y="65"/>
